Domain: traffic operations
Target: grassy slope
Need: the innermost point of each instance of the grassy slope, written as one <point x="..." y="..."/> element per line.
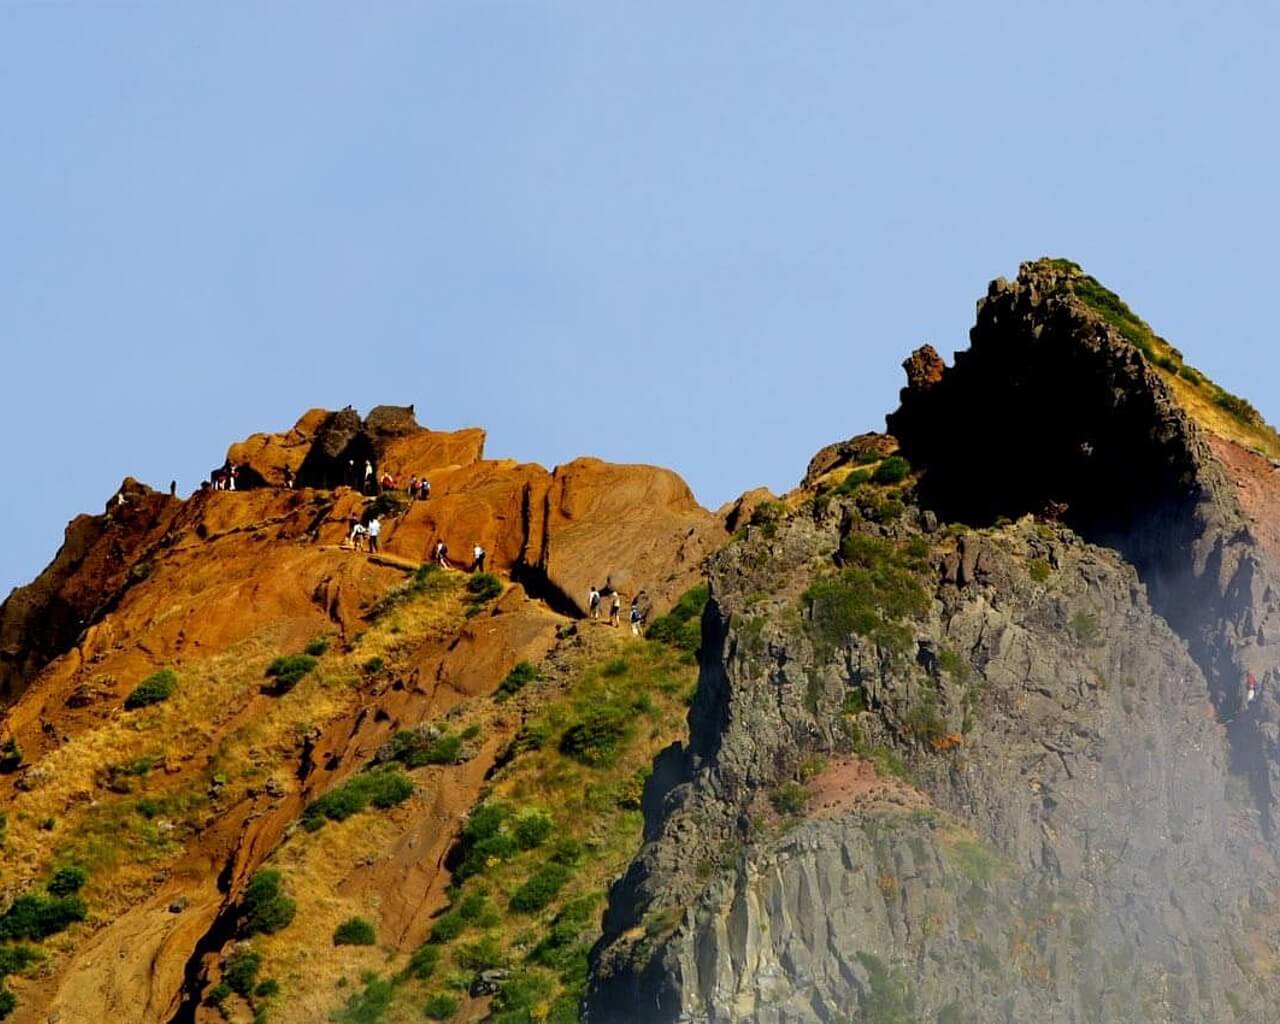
<point x="1212" y="406"/>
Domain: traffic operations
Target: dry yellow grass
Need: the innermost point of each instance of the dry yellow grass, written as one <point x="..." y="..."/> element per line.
<point x="1217" y="420"/>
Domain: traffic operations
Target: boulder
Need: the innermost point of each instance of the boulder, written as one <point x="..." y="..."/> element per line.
<point x="263" y="458"/>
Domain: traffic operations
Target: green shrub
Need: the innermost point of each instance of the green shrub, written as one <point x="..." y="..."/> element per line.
<point x="474" y="906"/>
<point x="599" y="737"/>
<point x="288" y="670"/>
<point x="447" y="927"/>
<point x="924" y="722"/>
<point x="316" y="648"/>
<point x="424" y="961"/>
<point x="483" y="954"/>
<point x="8" y="1002"/>
<point x="540" y="889"/>
<point x="521" y="674"/>
<point x="562" y="948"/>
<point x="415" y="749"/>
<point x="790" y="800"/>
<point x="853" y="481"/>
<point x="482" y="587"/>
<point x="355" y="931"/>
<point x="373" y="666"/>
<point x="68" y="880"/>
<point x="240" y="970"/>
<point x="10" y="756"/>
<point x="382" y="788"/>
<point x="368" y="1005"/>
<point x="1237" y="407"/>
<point x="266" y="908"/>
<point x="16" y="959"/>
<point x="521" y="996"/>
<point x="892" y="470"/>
<point x="157" y="687"/>
<point x="267" y="988"/>
<point x="429" y="581"/>
<point x="37" y="917"/>
<point x="954" y="665"/>
<point x="531" y="828"/>
<point x="1086" y="627"/>
<point x="1039" y="570"/>
<point x="877" y="588"/>
<point x="486" y="836"/>
<point x="218" y="995"/>
<point x="440" y="1006"/>
<point x="682" y="626"/>
<point x="1190" y="374"/>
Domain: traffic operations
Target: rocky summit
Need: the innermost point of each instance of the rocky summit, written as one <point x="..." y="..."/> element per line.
<point x="979" y="723"/>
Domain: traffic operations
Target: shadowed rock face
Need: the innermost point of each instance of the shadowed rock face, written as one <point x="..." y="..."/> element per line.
<point x="1066" y="844"/>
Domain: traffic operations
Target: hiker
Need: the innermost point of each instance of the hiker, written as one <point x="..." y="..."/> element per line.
<point x="368" y="476"/>
<point x="593" y="602"/>
<point x="479" y="554"/>
<point x="288" y="478"/>
<point x="636" y="617"/>
<point x="351" y="473"/>
<point x="413" y="487"/>
<point x="173" y="488"/>
<point x="387" y="482"/>
<point x="374" y="528"/>
<point x="357" y="536"/>
<point x="442" y="554"/>
<point x="1251" y="684"/>
<point x="424" y="489"/>
<point x="232" y="473"/>
<point x="615" y="609"/>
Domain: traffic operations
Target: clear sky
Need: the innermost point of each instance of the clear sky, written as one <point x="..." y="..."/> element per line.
<point x="702" y="235"/>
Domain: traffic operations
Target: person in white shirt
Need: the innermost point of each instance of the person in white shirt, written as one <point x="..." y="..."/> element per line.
<point x="375" y="528"/>
<point x="357" y="536"/>
<point x="479" y="554"/>
<point x="615" y="609"/>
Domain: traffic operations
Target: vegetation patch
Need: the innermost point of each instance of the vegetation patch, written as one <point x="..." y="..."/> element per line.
<point x="429" y="581"/>
<point x="10" y="756"/>
<point x="482" y="587"/>
<point x="890" y="999"/>
<point x="157" y="687"/>
<point x="355" y="931"/>
<point x="682" y="626"/>
<point x="265" y="907"/>
<point x="521" y="674"/>
<point x="417" y="747"/>
<point x="877" y="588"/>
<point x="240" y="971"/>
<point x="381" y="788"/>
<point x="287" y="671"/>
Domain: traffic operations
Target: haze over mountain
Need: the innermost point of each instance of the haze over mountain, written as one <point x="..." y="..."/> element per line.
<point x="644" y="233"/>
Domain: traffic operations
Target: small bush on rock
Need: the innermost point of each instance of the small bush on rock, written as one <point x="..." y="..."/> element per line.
<point x="157" y="687"/>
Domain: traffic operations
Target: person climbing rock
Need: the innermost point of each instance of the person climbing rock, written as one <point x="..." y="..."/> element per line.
<point x="374" y="528"/>
<point x="593" y="602"/>
<point x="479" y="555"/>
<point x="442" y="554"/>
<point x="413" y="487"/>
<point x="424" y="489"/>
<point x="1251" y="687"/>
<point x="636" y="617"/>
<point x="288" y="478"/>
<point x="358" y="533"/>
<point x="615" y="609"/>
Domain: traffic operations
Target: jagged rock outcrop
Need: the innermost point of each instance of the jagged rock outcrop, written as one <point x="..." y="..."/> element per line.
<point x="1077" y="836"/>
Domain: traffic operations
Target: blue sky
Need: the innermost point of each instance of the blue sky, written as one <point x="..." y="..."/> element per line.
<point x="699" y="235"/>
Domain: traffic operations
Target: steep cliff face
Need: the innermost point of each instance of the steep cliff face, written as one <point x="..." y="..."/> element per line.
<point x="1002" y="771"/>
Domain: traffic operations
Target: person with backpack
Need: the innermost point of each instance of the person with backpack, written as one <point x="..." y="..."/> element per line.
<point x="636" y="617"/>
<point x="479" y="553"/>
<point x="593" y="602"/>
<point x="442" y="554"/>
<point x="374" y="528"/>
<point x="424" y="489"/>
<point x="615" y="609"/>
<point x="357" y="536"/>
<point x="413" y="487"/>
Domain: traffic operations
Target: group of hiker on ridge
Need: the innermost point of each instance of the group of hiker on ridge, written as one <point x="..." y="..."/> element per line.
<point x="363" y="535"/>
<point x="636" y="617"/>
